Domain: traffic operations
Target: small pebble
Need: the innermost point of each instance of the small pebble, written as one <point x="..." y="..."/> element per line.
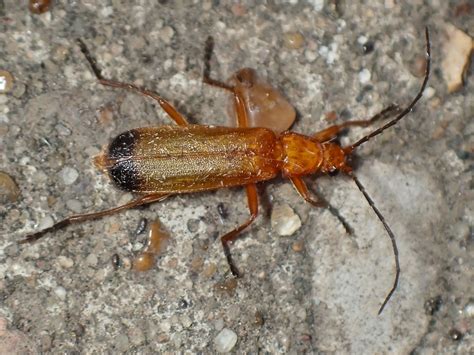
<point x="310" y="55"/>
<point x="162" y="338"/>
<point x="65" y="262"/>
<point x="284" y="220"/>
<point x="418" y="66"/>
<point x="74" y="205"/>
<point x="6" y="81"/>
<point x="219" y="324"/>
<point x="69" y="175"/>
<point x="429" y="92"/>
<point x="469" y="309"/>
<point x="293" y="40"/>
<point x="298" y="246"/>
<point x="196" y="264"/>
<point x="9" y="191"/>
<point x="318" y="5"/>
<point x="60" y="292"/>
<point x="457" y="51"/>
<point x="364" y="76"/>
<point x="193" y="225"/>
<point x="209" y="270"/>
<point x="39" y="6"/>
<point x="228" y="286"/>
<point x="91" y="260"/>
<point x="225" y="340"/>
<point x="330" y="116"/>
<point x="46" y="222"/>
<point x="362" y="40"/>
<point x="186" y="322"/>
<point x="166" y="34"/>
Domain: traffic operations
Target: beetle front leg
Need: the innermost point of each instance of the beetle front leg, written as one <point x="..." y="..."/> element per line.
<point x="333" y="131"/>
<point x="230" y="237"/>
<point x="302" y="189"/>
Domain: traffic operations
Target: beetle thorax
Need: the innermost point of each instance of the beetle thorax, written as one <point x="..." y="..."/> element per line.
<point x="302" y="155"/>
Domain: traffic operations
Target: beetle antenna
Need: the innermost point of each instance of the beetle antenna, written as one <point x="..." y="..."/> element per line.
<point x="409" y="108"/>
<point x="390" y="234"/>
<point x="90" y="58"/>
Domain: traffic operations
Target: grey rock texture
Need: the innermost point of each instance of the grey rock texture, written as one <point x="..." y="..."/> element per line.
<point x="317" y="291"/>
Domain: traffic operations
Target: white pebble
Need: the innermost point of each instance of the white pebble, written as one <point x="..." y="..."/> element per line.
<point x="362" y="39"/>
<point x="429" y="92"/>
<point x="46" y="222"/>
<point x="166" y="34"/>
<point x="60" y="292"/>
<point x="91" y="260"/>
<point x="469" y="309"/>
<point x="364" y="76"/>
<point x="225" y="340"/>
<point x="74" y="205"/>
<point x="69" y="175"/>
<point x="318" y="5"/>
<point x="65" y="262"/>
<point x="284" y="220"/>
<point x="310" y="55"/>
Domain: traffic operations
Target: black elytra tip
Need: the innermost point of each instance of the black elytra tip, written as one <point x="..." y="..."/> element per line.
<point x="123" y="170"/>
<point x="123" y="145"/>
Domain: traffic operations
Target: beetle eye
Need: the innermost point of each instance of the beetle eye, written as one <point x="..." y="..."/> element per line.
<point x="333" y="172"/>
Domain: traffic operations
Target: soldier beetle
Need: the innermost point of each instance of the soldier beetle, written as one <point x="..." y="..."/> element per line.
<point x="157" y="162"/>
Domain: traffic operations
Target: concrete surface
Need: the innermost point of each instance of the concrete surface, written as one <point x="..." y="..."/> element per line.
<point x="317" y="291"/>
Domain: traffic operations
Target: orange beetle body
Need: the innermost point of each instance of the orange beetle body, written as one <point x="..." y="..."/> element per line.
<point x="176" y="159"/>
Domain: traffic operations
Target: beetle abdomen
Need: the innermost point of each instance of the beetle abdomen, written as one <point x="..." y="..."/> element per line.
<point x="174" y="159"/>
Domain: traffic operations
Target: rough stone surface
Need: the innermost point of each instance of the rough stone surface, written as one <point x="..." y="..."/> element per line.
<point x="321" y="299"/>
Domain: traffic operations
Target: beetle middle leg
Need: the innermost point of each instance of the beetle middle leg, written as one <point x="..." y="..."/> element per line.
<point x="229" y="238"/>
<point x="143" y="200"/>
<point x="239" y="102"/>
<point x="165" y="105"/>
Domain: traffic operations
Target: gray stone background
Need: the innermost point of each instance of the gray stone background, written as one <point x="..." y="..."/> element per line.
<point x="316" y="291"/>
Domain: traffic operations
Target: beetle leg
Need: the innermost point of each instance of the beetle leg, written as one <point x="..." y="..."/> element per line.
<point x="165" y="105"/>
<point x="318" y="201"/>
<point x="143" y="200"/>
<point x="239" y="102"/>
<point x="332" y="131"/>
<point x="230" y="237"/>
<point x="206" y="73"/>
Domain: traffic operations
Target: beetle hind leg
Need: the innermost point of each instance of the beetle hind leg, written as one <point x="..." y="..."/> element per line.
<point x="94" y="215"/>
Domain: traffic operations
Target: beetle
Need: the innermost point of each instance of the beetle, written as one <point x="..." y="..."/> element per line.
<point x="157" y="162"/>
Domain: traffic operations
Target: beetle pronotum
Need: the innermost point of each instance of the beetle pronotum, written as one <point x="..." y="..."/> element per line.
<point x="157" y="162"/>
